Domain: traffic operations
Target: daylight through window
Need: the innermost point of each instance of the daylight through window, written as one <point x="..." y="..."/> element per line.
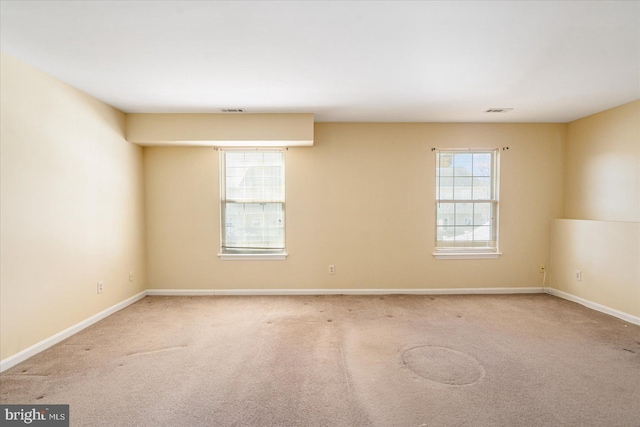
<point x="252" y="202"/>
<point x="466" y="201"/>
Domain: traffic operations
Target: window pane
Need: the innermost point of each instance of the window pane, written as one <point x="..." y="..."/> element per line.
<point x="445" y="214"/>
<point x="254" y="225"/>
<point x="444" y="233"/>
<point x="464" y="234"/>
<point x="482" y="214"/>
<point x="272" y="158"/>
<point x="253" y="158"/>
<point x="445" y="165"/>
<point x="482" y="233"/>
<point x="481" y="188"/>
<point x="444" y="188"/>
<point x="462" y="188"/>
<point x="464" y="214"/>
<point x="248" y="179"/>
<point x="482" y="164"/>
<point x="463" y="164"/>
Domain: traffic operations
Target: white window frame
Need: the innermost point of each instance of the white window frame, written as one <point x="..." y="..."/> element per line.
<point x="441" y="251"/>
<point x="249" y="254"/>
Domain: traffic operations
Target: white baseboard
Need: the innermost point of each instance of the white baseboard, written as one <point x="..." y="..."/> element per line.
<point x="444" y="291"/>
<point x="62" y="335"/>
<point x="595" y="306"/>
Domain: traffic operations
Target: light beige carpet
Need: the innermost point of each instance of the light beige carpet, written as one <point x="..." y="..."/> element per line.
<point x="521" y="360"/>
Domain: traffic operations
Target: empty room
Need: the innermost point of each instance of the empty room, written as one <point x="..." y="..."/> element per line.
<point x="320" y="213"/>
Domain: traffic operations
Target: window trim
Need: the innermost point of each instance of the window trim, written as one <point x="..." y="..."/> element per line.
<point x="253" y="257"/>
<point x="466" y="255"/>
<point x="248" y="254"/>
<point x="471" y="252"/>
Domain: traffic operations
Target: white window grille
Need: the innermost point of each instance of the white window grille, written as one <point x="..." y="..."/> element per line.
<point x="467" y="202"/>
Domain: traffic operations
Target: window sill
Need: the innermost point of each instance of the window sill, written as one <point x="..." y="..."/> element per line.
<point x="254" y="257"/>
<point x="467" y="255"/>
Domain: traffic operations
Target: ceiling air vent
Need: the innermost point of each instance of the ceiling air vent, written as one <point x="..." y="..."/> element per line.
<point x="498" y="110"/>
<point x="233" y="110"/>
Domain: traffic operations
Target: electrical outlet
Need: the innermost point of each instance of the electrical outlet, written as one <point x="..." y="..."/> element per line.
<point x="332" y="269"/>
<point x="542" y="268"/>
<point x="578" y="275"/>
<point x="130" y="276"/>
<point x="100" y="286"/>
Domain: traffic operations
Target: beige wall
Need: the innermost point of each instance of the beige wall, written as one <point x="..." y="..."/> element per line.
<point x="72" y="207"/>
<point x="601" y="234"/>
<point x="361" y="198"/>
<point x="607" y="253"/>
<point x="221" y="129"/>
<point x="603" y="166"/>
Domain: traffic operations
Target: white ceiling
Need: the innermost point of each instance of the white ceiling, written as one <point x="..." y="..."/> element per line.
<point x="341" y="60"/>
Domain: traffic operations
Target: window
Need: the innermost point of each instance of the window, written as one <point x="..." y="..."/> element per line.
<point x="252" y="204"/>
<point x="467" y="203"/>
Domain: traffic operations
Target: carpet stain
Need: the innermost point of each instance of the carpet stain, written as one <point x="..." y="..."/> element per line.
<point x="345" y="371"/>
<point x="629" y="350"/>
<point x="161" y="350"/>
<point x="443" y="365"/>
